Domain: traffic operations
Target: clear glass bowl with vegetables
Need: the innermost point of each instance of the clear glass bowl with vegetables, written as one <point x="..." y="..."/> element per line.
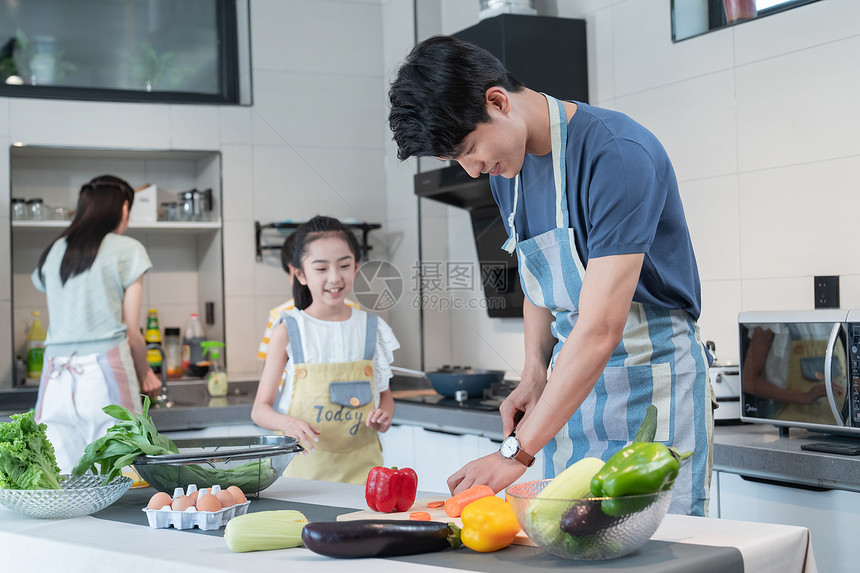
<point x="587" y="528"/>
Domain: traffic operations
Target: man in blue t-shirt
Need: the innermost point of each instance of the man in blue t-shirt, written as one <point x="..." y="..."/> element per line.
<point x="595" y="219"/>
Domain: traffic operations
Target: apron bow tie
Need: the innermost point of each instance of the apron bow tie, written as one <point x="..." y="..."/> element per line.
<point x="73" y="370"/>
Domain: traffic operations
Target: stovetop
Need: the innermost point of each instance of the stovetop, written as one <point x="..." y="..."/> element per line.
<point x="489" y="402"/>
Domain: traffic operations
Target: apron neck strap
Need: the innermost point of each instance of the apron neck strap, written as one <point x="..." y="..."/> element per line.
<point x="558" y="138"/>
<point x="370" y="336"/>
<point x="295" y="338"/>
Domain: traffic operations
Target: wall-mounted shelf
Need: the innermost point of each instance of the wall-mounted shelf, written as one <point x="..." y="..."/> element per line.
<point x="365" y="229"/>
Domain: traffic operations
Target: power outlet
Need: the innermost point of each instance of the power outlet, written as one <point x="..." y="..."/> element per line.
<point x="827" y="291"/>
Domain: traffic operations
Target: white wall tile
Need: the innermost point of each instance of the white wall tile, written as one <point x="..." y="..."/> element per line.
<point x="194" y="127"/>
<point x="7" y="357"/>
<point x="400" y="200"/>
<point x="849" y="291"/>
<point x="317" y="36"/>
<point x="601" y="58"/>
<point x="313" y="110"/>
<point x="800" y="28"/>
<point x="5" y="179"/>
<point x="237" y="176"/>
<point x="397" y="37"/>
<point x="403" y="317"/>
<point x="243" y="336"/>
<point x="235" y="124"/>
<point x="5" y="259"/>
<point x="93" y="124"/>
<point x="711" y="208"/>
<point x="799" y="107"/>
<point x="298" y="183"/>
<point x="694" y="120"/>
<point x="239" y="258"/>
<point x="646" y="57"/>
<point x="795" y="293"/>
<point x="572" y="8"/>
<point x="718" y="322"/>
<point x="4" y="116"/>
<point x="798" y="221"/>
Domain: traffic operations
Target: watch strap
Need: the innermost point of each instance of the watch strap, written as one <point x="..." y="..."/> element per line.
<point x="524" y="458"/>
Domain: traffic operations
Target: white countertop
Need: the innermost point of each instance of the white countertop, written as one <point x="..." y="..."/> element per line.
<point x="90" y="544"/>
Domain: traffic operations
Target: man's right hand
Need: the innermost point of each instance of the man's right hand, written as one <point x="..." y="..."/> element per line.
<point x="520" y="402"/>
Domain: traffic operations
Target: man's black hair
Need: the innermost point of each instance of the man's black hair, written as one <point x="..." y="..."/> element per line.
<point x="437" y="97"/>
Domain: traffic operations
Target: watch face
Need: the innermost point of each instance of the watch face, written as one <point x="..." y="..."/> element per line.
<point x="509" y="447"/>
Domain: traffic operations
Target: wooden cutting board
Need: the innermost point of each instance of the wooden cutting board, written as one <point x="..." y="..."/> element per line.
<point x="436" y="514"/>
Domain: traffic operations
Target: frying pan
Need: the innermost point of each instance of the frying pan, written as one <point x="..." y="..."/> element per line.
<point x="447" y="381"/>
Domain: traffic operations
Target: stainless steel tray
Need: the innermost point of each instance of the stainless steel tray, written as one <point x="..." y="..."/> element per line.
<point x="225" y="457"/>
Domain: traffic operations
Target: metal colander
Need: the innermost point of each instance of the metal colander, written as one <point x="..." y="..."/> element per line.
<point x="79" y="496"/>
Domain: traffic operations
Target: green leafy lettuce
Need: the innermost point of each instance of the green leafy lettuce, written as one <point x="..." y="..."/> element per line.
<point x="27" y="459"/>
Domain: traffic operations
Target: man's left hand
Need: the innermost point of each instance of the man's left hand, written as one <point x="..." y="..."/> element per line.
<point x="492" y="470"/>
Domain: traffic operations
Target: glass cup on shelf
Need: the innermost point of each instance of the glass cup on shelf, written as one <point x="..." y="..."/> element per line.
<point x="36" y="209"/>
<point x="19" y="209"/>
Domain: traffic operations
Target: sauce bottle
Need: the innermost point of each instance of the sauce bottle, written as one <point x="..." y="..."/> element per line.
<point x="35" y="347"/>
<point x="153" y="341"/>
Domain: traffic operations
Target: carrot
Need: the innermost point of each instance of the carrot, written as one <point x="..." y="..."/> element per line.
<point x="435" y="504"/>
<point x="419" y="516"/>
<point x="454" y="505"/>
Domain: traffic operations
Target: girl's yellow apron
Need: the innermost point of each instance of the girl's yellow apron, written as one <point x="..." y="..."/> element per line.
<point x="805" y="371"/>
<point x="336" y="399"/>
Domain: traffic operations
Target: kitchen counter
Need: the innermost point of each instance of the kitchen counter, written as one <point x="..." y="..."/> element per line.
<point x="759" y="451"/>
<point x="93" y="544"/>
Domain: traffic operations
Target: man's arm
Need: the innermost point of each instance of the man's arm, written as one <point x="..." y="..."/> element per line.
<point x="604" y="304"/>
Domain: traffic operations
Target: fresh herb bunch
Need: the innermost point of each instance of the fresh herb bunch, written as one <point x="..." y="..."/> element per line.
<point x="134" y="435"/>
<point x="27" y="459"/>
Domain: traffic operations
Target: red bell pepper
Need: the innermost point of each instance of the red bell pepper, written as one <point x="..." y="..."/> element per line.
<point x="390" y="489"/>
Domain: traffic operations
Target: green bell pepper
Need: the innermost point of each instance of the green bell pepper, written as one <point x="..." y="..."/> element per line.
<point x="643" y="467"/>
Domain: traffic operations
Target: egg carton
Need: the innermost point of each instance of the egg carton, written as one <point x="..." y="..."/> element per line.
<point x="191" y="517"/>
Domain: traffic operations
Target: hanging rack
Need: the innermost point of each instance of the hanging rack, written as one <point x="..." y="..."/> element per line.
<point x="365" y="229"/>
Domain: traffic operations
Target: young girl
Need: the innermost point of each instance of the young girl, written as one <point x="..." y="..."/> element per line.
<point x="94" y="352"/>
<point x="335" y="397"/>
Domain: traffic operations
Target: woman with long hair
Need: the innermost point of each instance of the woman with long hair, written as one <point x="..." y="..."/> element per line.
<point x="95" y="354"/>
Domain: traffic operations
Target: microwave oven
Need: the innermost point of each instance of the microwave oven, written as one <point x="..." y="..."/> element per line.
<point x="801" y="369"/>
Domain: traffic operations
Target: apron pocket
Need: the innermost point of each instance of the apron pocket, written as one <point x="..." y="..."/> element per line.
<point x="813" y="368"/>
<point x="629" y="392"/>
<point x="351" y="394"/>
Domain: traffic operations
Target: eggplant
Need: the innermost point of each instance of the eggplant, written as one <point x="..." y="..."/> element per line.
<point x="585" y="518"/>
<point x="379" y="537"/>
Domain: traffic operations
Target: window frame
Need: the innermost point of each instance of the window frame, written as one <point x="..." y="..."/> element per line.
<point x="228" y="57"/>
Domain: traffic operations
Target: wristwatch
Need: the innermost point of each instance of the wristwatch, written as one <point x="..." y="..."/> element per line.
<point x="511" y="450"/>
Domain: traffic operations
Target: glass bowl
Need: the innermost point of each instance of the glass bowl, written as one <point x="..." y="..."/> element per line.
<point x="251" y="463"/>
<point x="591" y="528"/>
<point x="79" y="496"/>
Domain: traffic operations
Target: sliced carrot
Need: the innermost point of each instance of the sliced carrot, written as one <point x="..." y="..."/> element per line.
<point x="435" y="504"/>
<point x="454" y="505"/>
<point x="419" y="516"/>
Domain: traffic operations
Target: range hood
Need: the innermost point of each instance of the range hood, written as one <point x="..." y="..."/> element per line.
<point x="453" y="186"/>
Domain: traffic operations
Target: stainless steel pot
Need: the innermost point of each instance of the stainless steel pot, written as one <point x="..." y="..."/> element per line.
<point x="450" y="381"/>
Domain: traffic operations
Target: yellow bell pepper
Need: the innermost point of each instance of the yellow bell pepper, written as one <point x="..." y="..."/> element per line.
<point x="489" y="524"/>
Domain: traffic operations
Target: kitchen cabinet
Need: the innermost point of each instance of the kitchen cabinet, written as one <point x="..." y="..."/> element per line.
<point x="187" y="257"/>
<point x="828" y="513"/>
